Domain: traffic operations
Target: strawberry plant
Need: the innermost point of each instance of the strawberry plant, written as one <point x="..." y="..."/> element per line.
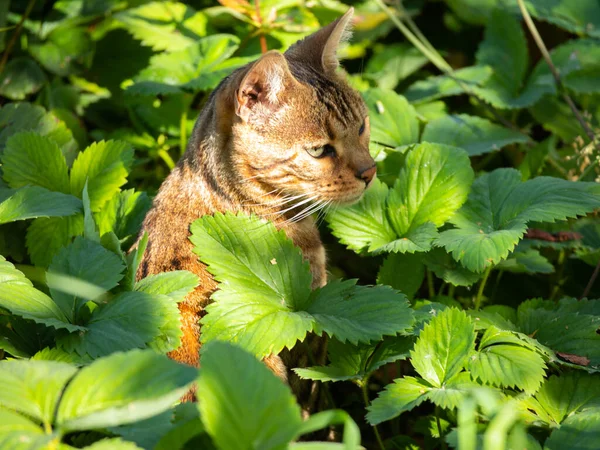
<point x="461" y="308"/>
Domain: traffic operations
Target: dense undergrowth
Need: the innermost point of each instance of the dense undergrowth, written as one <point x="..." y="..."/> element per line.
<point x="461" y="303"/>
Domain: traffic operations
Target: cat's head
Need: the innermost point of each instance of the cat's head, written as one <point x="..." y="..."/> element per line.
<point x="300" y="129"/>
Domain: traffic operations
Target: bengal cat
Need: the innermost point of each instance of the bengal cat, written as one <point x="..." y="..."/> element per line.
<point x="280" y="138"/>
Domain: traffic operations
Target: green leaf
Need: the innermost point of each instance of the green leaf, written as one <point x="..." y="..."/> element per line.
<point x="18" y="296"/>
<point x="265" y="302"/>
<point x="33" y="159"/>
<point x="122" y="388"/>
<point x="404" y="272"/>
<point x="578" y="62"/>
<point x="504" y="49"/>
<point x="21" y="77"/>
<point x="66" y="50"/>
<point x="162" y="26"/>
<point x="443" y="346"/>
<point x="507" y="365"/>
<point x="197" y="67"/>
<point x="113" y="444"/>
<point x="147" y="433"/>
<point x="393" y="120"/>
<point x="105" y="166"/>
<point x="348" y="312"/>
<point x="580" y="17"/>
<point x="237" y="392"/>
<point x="15" y="117"/>
<point x="495" y="216"/>
<point x="561" y="328"/>
<point x="579" y="432"/>
<point x="452" y="394"/>
<point x="12" y="422"/>
<point x="471" y="133"/>
<point x="266" y="281"/>
<point x="123" y="213"/>
<point x="87" y="261"/>
<point x="392" y="63"/>
<point x="19" y="433"/>
<point x="535" y="158"/>
<point x="90" y="231"/>
<point x="134" y="258"/>
<point x="46" y="236"/>
<point x="403" y="395"/>
<point x="130" y="320"/>
<point x="571" y="392"/>
<point x="34" y="387"/>
<point x="176" y="285"/>
<point x="30" y="202"/>
<point x="357" y="362"/>
<point x="441" y="86"/>
<point x="528" y="261"/>
<point x="432" y="185"/>
<point x="364" y="225"/>
<point x="449" y="270"/>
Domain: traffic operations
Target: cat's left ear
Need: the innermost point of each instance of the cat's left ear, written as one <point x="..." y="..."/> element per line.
<point x="263" y="86"/>
<point x="320" y="48"/>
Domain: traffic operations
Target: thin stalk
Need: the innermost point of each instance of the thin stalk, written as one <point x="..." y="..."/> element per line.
<point x="183" y="129"/>
<point x="439" y="426"/>
<point x="562" y="256"/>
<point x="324" y="386"/>
<point x="441" y="289"/>
<point x="451" y="290"/>
<point x="15" y="35"/>
<point x="588" y="287"/>
<point x="477" y="302"/>
<point x="415" y="29"/>
<point x="262" y="38"/>
<point x="561" y="88"/>
<point x="430" y="284"/>
<point x="364" y="387"/>
<point x="432" y="56"/>
<point x="425" y="47"/>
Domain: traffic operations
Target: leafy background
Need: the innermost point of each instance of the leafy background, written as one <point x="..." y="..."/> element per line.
<point x="461" y="307"/>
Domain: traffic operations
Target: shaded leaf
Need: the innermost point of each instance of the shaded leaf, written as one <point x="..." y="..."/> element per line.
<point x="30" y="202"/>
<point x="471" y="133"/>
<point x="31" y="159"/>
<point x="122" y="388"/>
<point x="239" y="393"/>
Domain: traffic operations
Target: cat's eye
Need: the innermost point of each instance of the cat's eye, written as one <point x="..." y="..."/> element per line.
<point x="319" y="152"/>
<point x="361" y="130"/>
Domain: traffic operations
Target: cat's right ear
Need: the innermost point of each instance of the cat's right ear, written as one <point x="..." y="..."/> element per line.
<point x="263" y="86"/>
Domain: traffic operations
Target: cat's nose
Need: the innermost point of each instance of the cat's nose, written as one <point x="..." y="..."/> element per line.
<point x="367" y="174"/>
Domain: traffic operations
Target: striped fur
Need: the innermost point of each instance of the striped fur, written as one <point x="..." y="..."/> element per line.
<point x="248" y="153"/>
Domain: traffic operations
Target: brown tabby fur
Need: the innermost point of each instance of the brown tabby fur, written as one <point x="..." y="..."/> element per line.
<point x="248" y="150"/>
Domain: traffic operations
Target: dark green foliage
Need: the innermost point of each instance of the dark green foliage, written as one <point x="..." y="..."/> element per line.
<point x="456" y="311"/>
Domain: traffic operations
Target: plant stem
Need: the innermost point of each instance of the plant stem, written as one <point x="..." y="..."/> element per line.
<point x="430" y="284"/>
<point x="439" y="426"/>
<point x="364" y="387"/>
<point x="451" y="290"/>
<point x="324" y="386"/>
<point x="477" y="302"/>
<point x="425" y="47"/>
<point x="561" y="88"/>
<point x="559" y="273"/>
<point x="262" y="38"/>
<point x="15" y="35"/>
<point x="588" y="288"/>
<point x="183" y="126"/>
